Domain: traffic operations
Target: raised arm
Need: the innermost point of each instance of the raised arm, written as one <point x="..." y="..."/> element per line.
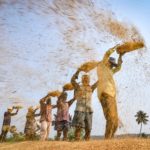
<point x="43" y="100"/>
<point x="73" y="79"/>
<point x="13" y="114"/>
<point x="108" y="53"/>
<point x="71" y="101"/>
<point x="36" y="115"/>
<point x="116" y="69"/>
<point x="54" y="106"/>
<point x="94" y="86"/>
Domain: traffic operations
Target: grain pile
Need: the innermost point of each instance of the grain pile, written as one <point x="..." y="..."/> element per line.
<point x="54" y="93"/>
<point x="130" y="46"/>
<point x="86" y="67"/>
<point x="116" y="144"/>
<point x="68" y="87"/>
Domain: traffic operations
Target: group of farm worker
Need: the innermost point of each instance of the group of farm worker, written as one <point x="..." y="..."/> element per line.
<point x="82" y="118"/>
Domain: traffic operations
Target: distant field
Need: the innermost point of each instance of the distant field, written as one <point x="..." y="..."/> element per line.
<point x="115" y="144"/>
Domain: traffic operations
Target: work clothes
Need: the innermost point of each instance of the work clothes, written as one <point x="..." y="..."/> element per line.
<point x="107" y="92"/>
<point x="83" y="113"/>
<point x="84" y="98"/>
<point x="45" y="129"/>
<point x="46" y="118"/>
<point x="82" y="120"/>
<point x="110" y="112"/>
<point x="6" y="124"/>
<point x="46" y="112"/>
<point x="31" y="125"/>
<point x="63" y="119"/>
<point x="7" y="117"/>
<point x="63" y="112"/>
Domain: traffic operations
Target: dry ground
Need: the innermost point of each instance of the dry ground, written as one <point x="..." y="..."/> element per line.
<point x="115" y="144"/>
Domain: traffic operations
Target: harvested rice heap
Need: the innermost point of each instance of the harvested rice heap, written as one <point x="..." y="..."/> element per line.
<point x="86" y="67"/>
<point x="68" y="87"/>
<point x="54" y="93"/>
<point x="130" y="46"/>
<point x="18" y="107"/>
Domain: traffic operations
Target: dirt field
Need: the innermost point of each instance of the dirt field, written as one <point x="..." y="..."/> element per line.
<point x="115" y="144"/>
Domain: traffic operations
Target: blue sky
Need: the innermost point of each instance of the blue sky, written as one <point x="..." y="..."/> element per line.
<point x="137" y="12"/>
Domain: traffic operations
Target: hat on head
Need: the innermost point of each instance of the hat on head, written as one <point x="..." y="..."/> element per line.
<point x="112" y="60"/>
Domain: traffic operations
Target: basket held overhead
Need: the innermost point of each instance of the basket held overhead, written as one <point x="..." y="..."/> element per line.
<point x="86" y="67"/>
<point x="129" y="46"/>
<point x="68" y="87"/>
<point x="18" y="107"/>
<point x="54" y="93"/>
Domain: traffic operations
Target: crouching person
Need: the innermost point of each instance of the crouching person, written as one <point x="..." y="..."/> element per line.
<point x="31" y="126"/>
<point x="46" y="117"/>
<point x="7" y="121"/>
<point x="63" y="118"/>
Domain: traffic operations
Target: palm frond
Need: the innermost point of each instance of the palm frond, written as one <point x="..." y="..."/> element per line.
<point x="141" y="117"/>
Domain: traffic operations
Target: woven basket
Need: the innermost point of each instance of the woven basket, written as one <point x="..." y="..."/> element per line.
<point x="54" y="93"/>
<point x="129" y="46"/>
<point x="18" y="107"/>
<point x="68" y="87"/>
<point x="86" y="67"/>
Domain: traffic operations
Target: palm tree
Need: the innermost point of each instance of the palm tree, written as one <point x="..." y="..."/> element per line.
<point x="141" y="118"/>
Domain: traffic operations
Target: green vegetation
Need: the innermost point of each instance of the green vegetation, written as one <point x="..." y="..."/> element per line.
<point x="16" y="138"/>
<point x="141" y="118"/>
<point x="71" y="134"/>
